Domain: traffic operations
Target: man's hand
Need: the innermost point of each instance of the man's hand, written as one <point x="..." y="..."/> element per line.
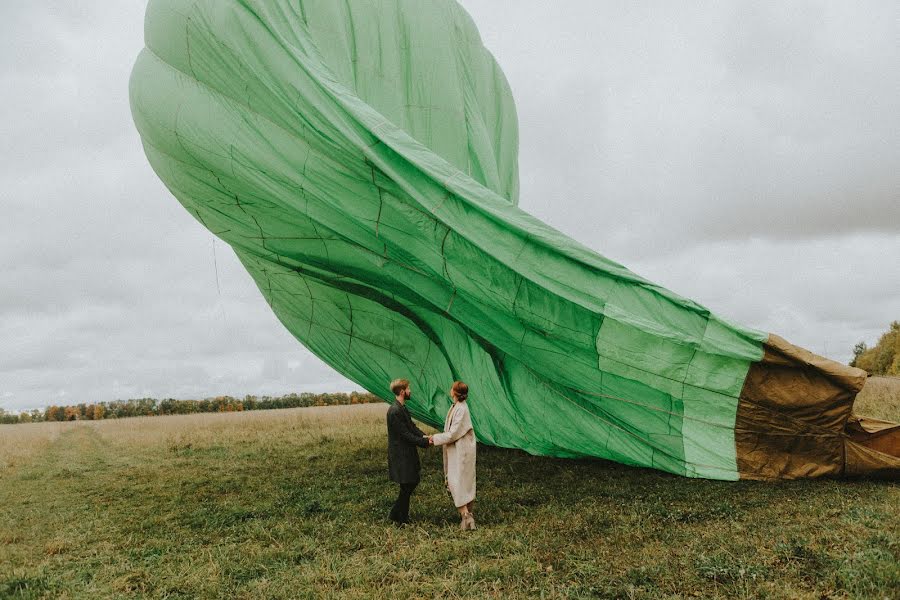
<point x="431" y="440"/>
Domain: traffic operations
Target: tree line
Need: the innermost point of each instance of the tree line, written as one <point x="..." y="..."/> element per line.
<point x="881" y="359"/>
<point x="151" y="407"/>
<point x="884" y="357"/>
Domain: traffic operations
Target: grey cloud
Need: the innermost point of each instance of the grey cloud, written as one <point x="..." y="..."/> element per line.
<point x="705" y="123"/>
<point x="824" y="294"/>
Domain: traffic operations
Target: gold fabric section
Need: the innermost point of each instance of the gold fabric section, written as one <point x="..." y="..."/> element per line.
<point x="793" y="415"/>
<point x="874" y="434"/>
<point x="862" y="461"/>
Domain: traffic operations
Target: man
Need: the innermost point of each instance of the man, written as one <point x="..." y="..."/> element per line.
<point x="403" y="458"/>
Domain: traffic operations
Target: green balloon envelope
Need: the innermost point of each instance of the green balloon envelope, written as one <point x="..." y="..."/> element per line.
<point x="361" y="158"/>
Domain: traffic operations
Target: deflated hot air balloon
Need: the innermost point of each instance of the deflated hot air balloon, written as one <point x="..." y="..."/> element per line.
<point x="360" y="157"/>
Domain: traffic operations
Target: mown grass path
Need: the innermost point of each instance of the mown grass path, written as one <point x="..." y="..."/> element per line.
<point x="292" y="504"/>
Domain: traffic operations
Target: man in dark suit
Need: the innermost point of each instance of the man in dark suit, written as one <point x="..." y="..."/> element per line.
<point x="403" y="458"/>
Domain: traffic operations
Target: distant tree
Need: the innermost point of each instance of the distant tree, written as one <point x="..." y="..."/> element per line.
<point x="8" y="418"/>
<point x="55" y="413"/>
<point x="120" y="409"/>
<point x="858" y="350"/>
<point x="884" y="357"/>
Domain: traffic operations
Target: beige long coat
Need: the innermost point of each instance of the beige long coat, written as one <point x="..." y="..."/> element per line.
<point x="458" y="441"/>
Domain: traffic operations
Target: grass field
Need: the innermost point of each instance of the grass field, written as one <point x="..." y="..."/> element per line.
<point x="880" y="398"/>
<point x="292" y="504"/>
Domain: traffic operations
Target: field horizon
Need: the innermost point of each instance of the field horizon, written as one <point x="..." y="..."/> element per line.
<point x="292" y="503"/>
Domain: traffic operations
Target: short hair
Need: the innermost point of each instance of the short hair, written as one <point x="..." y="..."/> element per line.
<point x="398" y="385"/>
<point x="461" y="390"/>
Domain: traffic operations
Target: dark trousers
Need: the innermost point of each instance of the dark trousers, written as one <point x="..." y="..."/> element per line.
<point x="400" y="510"/>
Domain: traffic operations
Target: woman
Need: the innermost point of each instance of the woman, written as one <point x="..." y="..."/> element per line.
<point x="458" y="441"/>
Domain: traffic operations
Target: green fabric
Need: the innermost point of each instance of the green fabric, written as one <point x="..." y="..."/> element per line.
<point x="360" y="157"/>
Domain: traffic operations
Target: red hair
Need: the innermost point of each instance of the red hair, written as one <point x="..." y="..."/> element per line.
<point x="461" y="390"/>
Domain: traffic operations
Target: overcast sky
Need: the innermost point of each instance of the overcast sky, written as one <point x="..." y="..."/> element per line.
<point x="746" y="155"/>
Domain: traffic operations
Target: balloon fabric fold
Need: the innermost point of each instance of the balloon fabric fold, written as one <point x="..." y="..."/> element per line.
<point x="361" y="158"/>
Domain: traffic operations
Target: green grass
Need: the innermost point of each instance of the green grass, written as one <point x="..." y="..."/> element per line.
<point x="880" y="398"/>
<point x="293" y="504"/>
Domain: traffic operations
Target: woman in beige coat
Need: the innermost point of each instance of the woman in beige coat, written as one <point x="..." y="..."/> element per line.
<point x="458" y="440"/>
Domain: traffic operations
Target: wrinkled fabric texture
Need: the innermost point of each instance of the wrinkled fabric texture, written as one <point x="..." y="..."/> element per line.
<point x="459" y="450"/>
<point x="360" y="157"/>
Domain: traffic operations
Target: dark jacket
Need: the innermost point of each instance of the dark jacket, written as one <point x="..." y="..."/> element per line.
<point x="403" y="437"/>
